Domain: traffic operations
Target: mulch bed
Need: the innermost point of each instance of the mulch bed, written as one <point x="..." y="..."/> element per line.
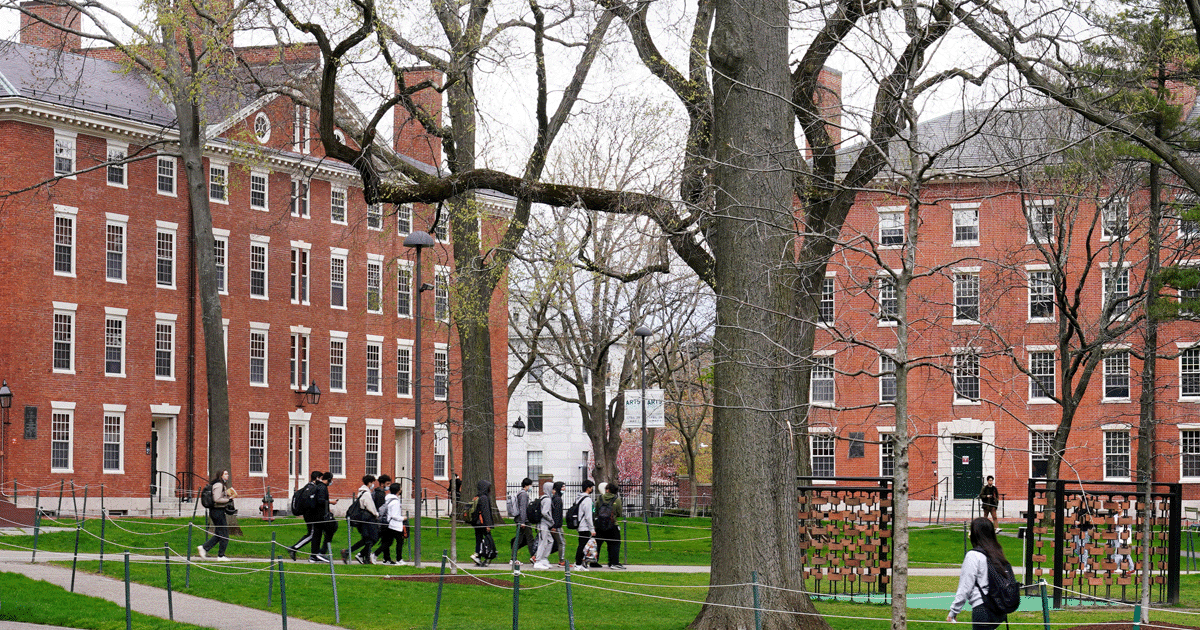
<point x="451" y="579"/>
<point x="1129" y="626"/>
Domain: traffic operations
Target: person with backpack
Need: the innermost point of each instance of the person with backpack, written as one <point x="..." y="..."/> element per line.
<point x="987" y="580"/>
<point x="556" y="514"/>
<point x="309" y="506"/>
<point x="519" y="511"/>
<point x="483" y="521"/>
<point x="393" y="529"/>
<point x="583" y="523"/>
<point x="364" y="517"/>
<point x="216" y="512"/>
<point x="608" y="510"/>
<point x="546" y="527"/>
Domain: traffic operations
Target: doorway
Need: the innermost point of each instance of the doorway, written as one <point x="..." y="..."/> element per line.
<point x="968" y="468"/>
<point x="404" y="461"/>
<point x="297" y="456"/>
<point x="162" y="457"/>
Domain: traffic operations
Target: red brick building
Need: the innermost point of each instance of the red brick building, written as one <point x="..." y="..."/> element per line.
<point x="103" y="343"/>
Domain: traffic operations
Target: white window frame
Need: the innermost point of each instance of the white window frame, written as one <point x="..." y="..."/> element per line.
<point x="1033" y="208"/>
<point x="441" y="293"/>
<point x="441" y="231"/>
<point x="68" y="215"/>
<point x="1030" y="270"/>
<point x="375" y="266"/>
<point x="264" y="242"/>
<point x="961" y="293"/>
<point x="441" y="368"/>
<point x="404" y="345"/>
<point x="823" y="360"/>
<point x="886" y="283"/>
<point x="374" y="342"/>
<point x="1186" y="349"/>
<point x="1189" y="445"/>
<point x="337" y="337"/>
<point x="404" y="215"/>
<point x="119" y="223"/>
<point x="404" y="290"/>
<point x="301" y="273"/>
<point x="66" y="310"/>
<point x="337" y="199"/>
<point x="165" y="321"/>
<point x="963" y="352"/>
<point x="1110" y="352"/>
<point x="884" y="371"/>
<point x="300" y="200"/>
<point x="336" y="255"/>
<point x="1038" y="433"/>
<point x="300" y="357"/>
<point x="221" y="259"/>
<point x="218" y="182"/>
<point x="171" y="230"/>
<point x="828" y="300"/>
<point x="441" y="444"/>
<point x="1128" y="446"/>
<point x="119" y="315"/>
<point x="66" y="147"/>
<point x="264" y="177"/>
<point x="887" y="442"/>
<point x="891" y="226"/>
<point x="828" y="441"/>
<point x="116" y="152"/>
<point x="67" y="410"/>
<point x="1039" y="352"/>
<point x="112" y="412"/>
<point x="1122" y="275"/>
<point x="302" y="129"/>
<point x="375" y="217"/>
<point x="337" y="445"/>
<point x="373" y="435"/>
<point x="257" y="419"/>
<point x="964" y="215"/>
<point x="1121" y="204"/>
<point x="260" y="329"/>
<point x="166" y="170"/>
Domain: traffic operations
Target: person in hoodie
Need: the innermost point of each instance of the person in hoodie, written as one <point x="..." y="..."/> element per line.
<point x="585" y="524"/>
<point x="483" y="521"/>
<point x="556" y="512"/>
<point x="524" y="537"/>
<point x="394" y="530"/>
<point x="546" y="528"/>
<point x="608" y="510"/>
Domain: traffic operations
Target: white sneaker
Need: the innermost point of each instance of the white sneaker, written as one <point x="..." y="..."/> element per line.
<point x="403" y="563"/>
<point x="475" y="559"/>
<point x="579" y="567"/>
<point x="541" y="566"/>
<point x="202" y="552"/>
<point x="222" y="559"/>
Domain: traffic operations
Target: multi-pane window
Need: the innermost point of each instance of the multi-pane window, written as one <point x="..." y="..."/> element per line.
<point x="889" y="303"/>
<point x="114" y="345"/>
<point x="536" y="370"/>
<point x="337" y="205"/>
<point x="258" y="191"/>
<point x="375" y="216"/>
<point x="887" y="455"/>
<point x="371" y="452"/>
<point x="533" y="464"/>
<point x="337" y="280"/>
<point x="374" y="286"/>
<point x="404" y="218"/>
<point x="1189" y="372"/>
<point x="299" y="204"/>
<point x="258" y="269"/>
<point x="302" y="129"/>
<point x="115" y="171"/>
<point x="966" y="376"/>
<point x="533" y="416"/>
<point x="403" y="369"/>
<point x="164" y="349"/>
<point x="887" y="379"/>
<point x="1116" y="454"/>
<point x="299" y="286"/>
<point x="825" y="312"/>
<point x="218" y="183"/>
<point x="299" y="359"/>
<point x="822" y="381"/>
<point x="1189" y="453"/>
<point x="114" y="250"/>
<point x="1116" y="291"/>
<point x="441" y="294"/>
<point x="166" y="175"/>
<point x="966" y="226"/>
<point x="1039" y="215"/>
<point x="64" y="339"/>
<point x="337" y="450"/>
<point x="258" y="448"/>
<point x="891" y="227"/>
<point x="1041" y="295"/>
<point x="1041" y="375"/>
<point x="441" y="374"/>
<point x="337" y="365"/>
<point x="1040" y="443"/>
<point x="966" y="297"/>
<point x="1116" y="374"/>
<point x="441" y="231"/>
<point x="1114" y="219"/>
<point x="114" y="424"/>
<point x="61" y="429"/>
<point x="441" y="448"/>
<point x="822" y="455"/>
<point x="164" y="257"/>
<point x="258" y="357"/>
<point x="374" y="352"/>
<point x="404" y="290"/>
<point x="1186" y="205"/>
<point x="64" y="241"/>
<point x="221" y="260"/>
<point x="64" y="153"/>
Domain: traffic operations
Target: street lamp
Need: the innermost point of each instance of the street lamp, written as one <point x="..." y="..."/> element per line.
<point x="310" y="396"/>
<point x="418" y="241"/>
<point x="518" y="428"/>
<point x="644" y="332"/>
<point x="6" y="397"/>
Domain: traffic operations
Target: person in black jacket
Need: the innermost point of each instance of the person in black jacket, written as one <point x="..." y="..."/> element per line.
<point x="327" y="525"/>
<point x="312" y="519"/>
<point x="483" y="521"/>
<point x="556" y="510"/>
<point x="525" y="533"/>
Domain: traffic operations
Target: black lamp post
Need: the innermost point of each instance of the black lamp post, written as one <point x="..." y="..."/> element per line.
<point x="644" y="332"/>
<point x="6" y="397"/>
<point x="418" y="241"/>
<point x="518" y="428"/>
<point x="310" y="396"/>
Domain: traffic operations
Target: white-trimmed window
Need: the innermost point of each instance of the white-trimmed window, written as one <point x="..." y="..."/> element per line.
<point x="115" y="228"/>
<point x="1189" y="373"/>
<point x="114" y="439"/>
<point x="1189" y="453"/>
<point x="374" y="283"/>
<point x="887" y="379"/>
<point x="218" y="182"/>
<point x="337" y="205"/>
<point x="64" y="154"/>
<point x="258" y="266"/>
<point x="300" y="267"/>
<point x="1116" y="454"/>
<point x="374" y="360"/>
<point x="166" y="175"/>
<point x="441" y="372"/>
<point x="257" y="466"/>
<point x="534" y="416"/>
<point x="404" y="353"/>
<point x="1040" y="446"/>
<point x="1116" y="375"/>
<point x="337" y="361"/>
<point x="822" y="449"/>
<point x="302" y="129"/>
<point x="164" y="346"/>
<point x="966" y="223"/>
<point x="966" y="377"/>
<point x="1186" y="204"/>
<point x="221" y="259"/>
<point x="1114" y="219"/>
<point x="114" y="341"/>
<point x="299" y="201"/>
<point x="533" y="464"/>
<point x="164" y="255"/>
<point x="375" y="216"/>
<point x="1039" y="217"/>
<point x="258" y="353"/>
<point x="441" y="293"/>
<point x="404" y="289"/>
<point x="299" y="357"/>
<point x="441" y="448"/>
<point x="441" y="233"/>
<point x="891" y="226"/>
<point x="966" y="296"/>
<point x="1041" y="375"/>
<point x="1041" y="295"/>
<point x="1116" y="289"/>
<point x="115" y="171"/>
<point x="825" y="310"/>
<point x="337" y="277"/>
<point x="371" y="451"/>
<point x="64" y="338"/>
<point x="404" y="219"/>
<point x="887" y="454"/>
<point x="62" y="433"/>
<point x="262" y="127"/>
<point x="259" y="190"/>
<point x="337" y="449"/>
<point x="64" y="240"/>
<point x="821" y="386"/>
<point x="889" y="302"/>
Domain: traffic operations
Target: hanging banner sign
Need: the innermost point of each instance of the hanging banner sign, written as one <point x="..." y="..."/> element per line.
<point x="655" y="410"/>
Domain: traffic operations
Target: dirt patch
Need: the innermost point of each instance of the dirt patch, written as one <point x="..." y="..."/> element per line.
<point x="1129" y="626"/>
<point x="467" y="580"/>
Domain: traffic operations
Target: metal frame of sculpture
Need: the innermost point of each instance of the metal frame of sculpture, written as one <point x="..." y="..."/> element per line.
<point x="846" y="532"/>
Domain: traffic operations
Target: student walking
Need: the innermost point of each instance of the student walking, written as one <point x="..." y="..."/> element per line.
<point x="217" y="514"/>
<point x="483" y="521"/>
<point x="393" y="511"/>
<point x="584" y="503"/>
<point x="524" y="537"/>
<point x="608" y="532"/>
<point x="556" y="513"/>
<point x="316" y="504"/>
<point x="368" y="527"/>
<point x="989" y="500"/>
<point x="545" y="528"/>
<point x="973" y="581"/>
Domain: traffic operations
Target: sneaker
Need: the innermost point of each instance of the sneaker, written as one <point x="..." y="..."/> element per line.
<point x="345" y="556"/>
<point x="317" y="558"/>
<point x="374" y="559"/>
<point x="292" y="553"/>
<point x="202" y="552"/>
<point x="403" y="563"/>
<point x="389" y="562"/>
<point x="222" y="559"/>
<point x="617" y="567"/>
<point x="541" y="566"/>
<point x="359" y="558"/>
<point x="593" y="565"/>
<point x="579" y="567"/>
<point x="476" y="560"/>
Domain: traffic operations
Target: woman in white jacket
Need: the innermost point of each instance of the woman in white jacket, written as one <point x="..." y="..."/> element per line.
<point x="973" y="581"/>
<point x="394" y="530"/>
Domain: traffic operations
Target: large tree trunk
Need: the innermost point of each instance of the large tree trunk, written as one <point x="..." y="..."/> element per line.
<point x="755" y="527"/>
<point x="474" y="294"/>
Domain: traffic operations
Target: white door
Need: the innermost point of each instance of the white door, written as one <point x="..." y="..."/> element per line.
<point x="404" y="462"/>
<point x="162" y="441"/>
<point x="297" y="456"/>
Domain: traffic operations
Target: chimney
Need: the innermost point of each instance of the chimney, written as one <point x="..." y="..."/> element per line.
<point x="411" y="139"/>
<point x="829" y="100"/>
<point x="37" y="31"/>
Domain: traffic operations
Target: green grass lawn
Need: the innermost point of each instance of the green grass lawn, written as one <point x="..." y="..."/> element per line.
<point x="33" y="601"/>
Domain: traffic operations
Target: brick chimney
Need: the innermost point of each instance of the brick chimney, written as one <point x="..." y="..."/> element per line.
<point x="39" y="32"/>
<point x="829" y="99"/>
<point x="411" y="139"/>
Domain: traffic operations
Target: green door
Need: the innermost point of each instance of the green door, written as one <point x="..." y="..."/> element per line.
<point x="968" y="469"/>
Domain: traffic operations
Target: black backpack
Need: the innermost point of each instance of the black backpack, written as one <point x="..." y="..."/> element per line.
<point x="1004" y="594"/>
<point x="604" y="515"/>
<point x="533" y="512"/>
<point x="206" y="497"/>
<point x="355" y="511"/>
<point x="573" y="514"/>
<point x="304" y="499"/>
